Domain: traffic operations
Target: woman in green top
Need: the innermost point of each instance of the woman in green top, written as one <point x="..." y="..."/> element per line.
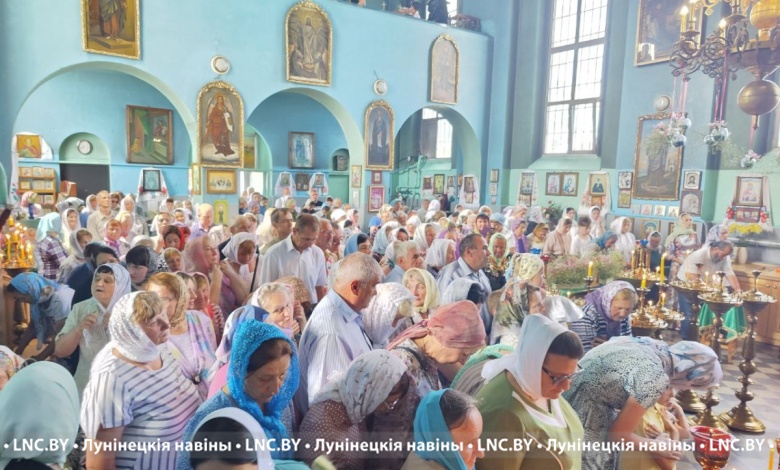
<point x="521" y="399"/>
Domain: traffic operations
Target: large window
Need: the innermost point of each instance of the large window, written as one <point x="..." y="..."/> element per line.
<point x="575" y="76"/>
<point x="435" y="135"/>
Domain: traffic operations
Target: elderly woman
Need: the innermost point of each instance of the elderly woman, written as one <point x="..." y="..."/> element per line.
<point x="139" y="224"/>
<point x="558" y="242"/>
<point x="238" y="266"/>
<point x="537" y="238"/>
<point x="346" y="407"/>
<point x="142" y="263"/>
<point x="682" y="240"/>
<point x="284" y="311"/>
<point x="624" y="377"/>
<point x="498" y="261"/>
<point x="10" y="363"/>
<point x="446" y="416"/>
<point x="262" y="379"/>
<point x="519" y="242"/>
<point x="412" y="223"/>
<point x="126" y="219"/>
<point x="423" y="287"/>
<point x="191" y="337"/>
<point x="87" y="325"/>
<point x="383" y="237"/>
<point x="357" y="242"/>
<point x="388" y="313"/>
<point x="120" y="405"/>
<point x="626" y="242"/>
<point x="49" y="307"/>
<point x="522" y="398"/>
<point x="302" y="293"/>
<point x="450" y="337"/>
<point x="520" y="300"/>
<point x="52" y="416"/>
<point x="78" y="240"/>
<point x="201" y="255"/>
<point x="606" y="314"/>
<point x="48" y="248"/>
<point x="601" y="244"/>
<point x="465" y="288"/>
<point x="719" y="232"/>
<point x="440" y="254"/>
<point x="424" y="236"/>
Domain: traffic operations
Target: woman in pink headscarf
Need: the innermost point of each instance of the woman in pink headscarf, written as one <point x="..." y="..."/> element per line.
<point x="450" y="337"/>
<point x="201" y="256"/>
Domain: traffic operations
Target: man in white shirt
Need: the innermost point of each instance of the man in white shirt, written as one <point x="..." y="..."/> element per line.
<point x="282" y="201"/>
<point x="324" y="242"/>
<point x="407" y="256"/>
<point x="282" y="223"/>
<point x="297" y="256"/>
<point x="98" y="219"/>
<point x="334" y="335"/>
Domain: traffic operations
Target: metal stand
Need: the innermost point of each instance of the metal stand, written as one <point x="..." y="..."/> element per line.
<point x="707" y="417"/>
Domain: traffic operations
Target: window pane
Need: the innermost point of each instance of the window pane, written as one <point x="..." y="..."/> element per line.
<point x="429" y="114"/>
<point x="561" y="76"/>
<point x="583" y="126"/>
<point x="444" y="139"/>
<point x="557" y="137"/>
<point x="589" y="69"/>
<point x="564" y="22"/>
<point x="452" y="7"/>
<point x="593" y="24"/>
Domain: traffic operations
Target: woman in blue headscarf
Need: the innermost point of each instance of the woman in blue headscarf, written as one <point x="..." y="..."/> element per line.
<point x="263" y="376"/>
<point x="357" y="242"/>
<point x="446" y="416"/>
<point x="49" y="307"/>
<point x="48" y="249"/>
<point x="602" y="243"/>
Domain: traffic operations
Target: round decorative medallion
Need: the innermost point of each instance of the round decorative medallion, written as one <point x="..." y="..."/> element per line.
<point x="662" y="103"/>
<point x="220" y="64"/>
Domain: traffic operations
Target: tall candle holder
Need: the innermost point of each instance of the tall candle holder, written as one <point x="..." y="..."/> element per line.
<point x="741" y="417"/>
<point x="707" y="417"/>
<point x="642" y="322"/>
<point x="588" y="284"/>
<point x="16" y="254"/>
<point x="719" y="302"/>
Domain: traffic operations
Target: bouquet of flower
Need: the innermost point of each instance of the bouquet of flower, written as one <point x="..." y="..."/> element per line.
<point x="567" y="271"/>
<point x="552" y="212"/>
<point x="750" y="159"/>
<point x="744" y="231"/>
<point x="608" y="265"/>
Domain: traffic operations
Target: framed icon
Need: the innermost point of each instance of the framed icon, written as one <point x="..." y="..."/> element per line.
<point x="692" y="180"/>
<point x="553" y="185"/>
<point x="376" y="177"/>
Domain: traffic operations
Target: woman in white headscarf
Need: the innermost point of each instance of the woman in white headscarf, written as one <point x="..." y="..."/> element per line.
<point x="596" y="222"/>
<point x="522" y="397"/>
<point x="233" y="428"/>
<point x="344" y="409"/>
<point x="139" y="224"/>
<point x="626" y="241"/>
<point x="558" y="242"/>
<point x="40" y="402"/>
<point x="383" y="237"/>
<point x="240" y="256"/>
<point x="424" y="235"/>
<point x="433" y="208"/>
<point x="411" y="225"/>
<point x="70" y="224"/>
<point x="78" y="240"/>
<point x="87" y="325"/>
<point x="386" y="315"/>
<point x="440" y="254"/>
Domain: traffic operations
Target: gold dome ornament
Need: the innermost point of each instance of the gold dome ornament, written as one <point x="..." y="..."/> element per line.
<point x="764" y="16"/>
<point x="759" y="97"/>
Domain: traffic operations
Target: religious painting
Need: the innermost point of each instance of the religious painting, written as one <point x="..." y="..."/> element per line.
<point x="309" y="44"/>
<point x="221" y="212"/>
<point x="445" y="63"/>
<point x="25" y="171"/>
<point x="553" y="186"/>
<point x="376" y="197"/>
<point x="48" y="200"/>
<point x="625" y="178"/>
<point x="658" y="29"/>
<point x="48" y="172"/>
<point x="659" y="211"/>
<point x="692" y="180"/>
<point x="597" y="201"/>
<point x="657" y="165"/>
<point x="438" y="184"/>
<point x="647" y="209"/>
<point x="376" y="177"/>
<point x="195" y="185"/>
<point x="37" y="172"/>
<point x="527" y="183"/>
<point x="151" y="181"/>
<point x="674" y="211"/>
<point x="671" y="228"/>
<point x="748" y="215"/>
<point x="379" y="136"/>
<point x="569" y="186"/>
<point x="220" y="125"/>
<point x="494" y="176"/>
<point x="356" y="176"/>
<point x="301" y="150"/>
<point x="149" y="135"/>
<point x="302" y="181"/>
<point x="493" y="189"/>
<point x="624" y="198"/>
<point x="28" y="145"/>
<point x="220" y="181"/>
<point x="597" y="184"/>
<point x="111" y="27"/>
<point x="524" y="199"/>
<point x="355" y="200"/>
<point x="450" y="182"/>
<point x="690" y="202"/>
<point x="25" y="185"/>
<point x="340" y="162"/>
<point x="427" y="183"/>
<point x="248" y="155"/>
<point x="460" y="180"/>
<point x="749" y="191"/>
<point x="649" y="226"/>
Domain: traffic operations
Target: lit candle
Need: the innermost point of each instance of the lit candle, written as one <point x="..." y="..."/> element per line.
<point x="707" y="278"/>
<point x="590" y="269"/>
<point x="11" y="222"/>
<point x="644" y="281"/>
<point x="663" y="260"/>
<point x="771" y="458"/>
<point x="633" y="259"/>
<point x="684" y="14"/>
<point x="647" y="260"/>
<point x="663" y="299"/>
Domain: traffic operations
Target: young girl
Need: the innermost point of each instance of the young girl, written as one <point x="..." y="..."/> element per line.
<point x="582" y="237"/>
<point x="112" y="233"/>
<point x="237" y="269"/>
<point x="127" y="233"/>
<point x="48" y="249"/>
<point x="173" y="259"/>
<point x="203" y="303"/>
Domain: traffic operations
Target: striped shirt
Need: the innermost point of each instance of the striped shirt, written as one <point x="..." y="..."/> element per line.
<point x="594" y="324"/>
<point x="153" y="407"/>
<point x="51" y="253"/>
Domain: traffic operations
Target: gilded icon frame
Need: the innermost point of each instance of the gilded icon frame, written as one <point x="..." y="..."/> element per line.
<point x="211" y="92"/>
<point x="129" y="33"/>
<point x="670" y="191"/>
<point x="379" y="158"/>
<point x="308" y="10"/>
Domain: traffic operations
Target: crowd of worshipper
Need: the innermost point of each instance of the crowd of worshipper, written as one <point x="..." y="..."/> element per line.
<point x="384" y="340"/>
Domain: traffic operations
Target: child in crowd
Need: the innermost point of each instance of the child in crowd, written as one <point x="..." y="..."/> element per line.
<point x="173" y="259"/>
<point x="582" y="238"/>
<point x="111" y="237"/>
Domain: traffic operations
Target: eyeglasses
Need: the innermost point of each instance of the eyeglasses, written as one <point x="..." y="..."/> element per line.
<point x="559" y="379"/>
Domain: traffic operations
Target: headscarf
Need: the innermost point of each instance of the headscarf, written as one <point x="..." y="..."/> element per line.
<point x="126" y="335"/>
<point x="234" y="320"/>
<point x="88" y="204"/>
<point x="365" y="385"/>
<point x="521" y="242"/>
<point x="431" y="300"/>
<point x="33" y="285"/>
<point x="597" y="225"/>
<point x="139" y="224"/>
<point x="561" y="309"/>
<point x="525" y="266"/>
<point x="75" y="248"/>
<point x="538" y="229"/>
<point x="51" y="391"/>
<point x="231" y="249"/>
<point x="218" y="235"/>
<point x="601" y="299"/>
<point x="381" y="239"/>
<point x="419" y="235"/>
<point x="415" y="222"/>
<point x="430" y="428"/>
<point x="433" y="208"/>
<point x="457" y="290"/>
<point x="10" y="362"/>
<point x="512" y="314"/>
<point x="140" y="239"/>
<point x="378" y="317"/>
<point x="626" y="241"/>
<point x="601" y="241"/>
<point x="535" y="215"/>
<point x="437" y="253"/>
<point x="492" y="246"/>
<point x="714" y="233"/>
<point x="251" y="334"/>
<point x="66" y="231"/>
<point x="51" y="222"/>
<point x="679" y="229"/>
<point x="456" y="325"/>
<point x="353" y="242"/>
<point x="122" y="287"/>
<point x="494" y="351"/>
<point x="156" y="265"/>
<point x="525" y="364"/>
<point x="264" y="461"/>
<point x="194" y="256"/>
<point x="337" y="215"/>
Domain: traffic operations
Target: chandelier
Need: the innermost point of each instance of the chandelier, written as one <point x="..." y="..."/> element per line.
<point x="733" y="46"/>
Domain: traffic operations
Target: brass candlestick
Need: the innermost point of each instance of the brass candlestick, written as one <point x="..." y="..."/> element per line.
<point x="741" y="416"/>
<point x="719" y="302"/>
<point x="588" y="284"/>
<point x="642" y="322"/>
<point x="707" y="417"/>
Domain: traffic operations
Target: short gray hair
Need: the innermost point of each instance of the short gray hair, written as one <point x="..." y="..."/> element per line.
<point x="356" y="267"/>
<point x="273" y="288"/>
<point x="403" y="248"/>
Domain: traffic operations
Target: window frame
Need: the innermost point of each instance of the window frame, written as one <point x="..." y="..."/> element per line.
<point x="439" y="117"/>
<point x="572" y="102"/>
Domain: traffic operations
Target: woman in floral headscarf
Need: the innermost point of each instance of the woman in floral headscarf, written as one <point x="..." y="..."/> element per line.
<point x="425" y="291"/>
<point x="607" y="312"/>
<point x="601" y="244"/>
<point x="10" y="363"/>
<point x="498" y="261"/>
<point x="388" y="313"/>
